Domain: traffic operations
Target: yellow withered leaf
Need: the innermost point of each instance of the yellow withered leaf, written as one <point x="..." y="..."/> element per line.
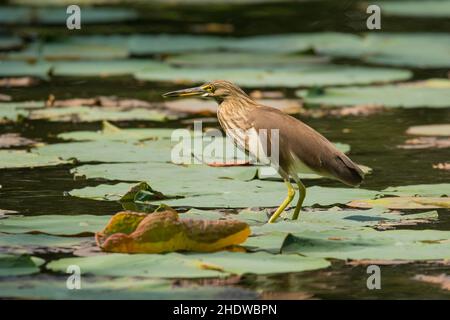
<point x="132" y="232"/>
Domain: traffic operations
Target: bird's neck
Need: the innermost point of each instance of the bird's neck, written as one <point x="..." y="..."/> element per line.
<point x="234" y="112"/>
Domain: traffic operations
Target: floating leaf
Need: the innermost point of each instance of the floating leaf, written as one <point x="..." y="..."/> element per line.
<point x="102" y="68"/>
<point x="154" y="44"/>
<point x="32" y="243"/>
<point x="419" y="50"/>
<point x="10" y="42"/>
<point x="389" y="96"/>
<point x="54" y="224"/>
<point x="9" y="140"/>
<point x="165" y="232"/>
<point x="308" y="75"/>
<point x="12" y="111"/>
<point x="443" y="280"/>
<point x="426" y="190"/>
<point x="403" y="203"/>
<point x="90" y="114"/>
<point x="421" y="9"/>
<point x="371" y="244"/>
<point x="20" y="68"/>
<point x="16" y="265"/>
<point x="228" y="193"/>
<point x="121" y="135"/>
<point x="175" y="265"/>
<point x="21" y="158"/>
<point x="116" y="288"/>
<point x="430" y="130"/>
<point x="241" y="59"/>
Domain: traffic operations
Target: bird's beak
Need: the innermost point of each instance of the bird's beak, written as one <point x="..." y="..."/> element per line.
<point x="196" y="91"/>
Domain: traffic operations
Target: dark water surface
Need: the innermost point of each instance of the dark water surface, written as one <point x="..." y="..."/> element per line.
<point x="373" y="140"/>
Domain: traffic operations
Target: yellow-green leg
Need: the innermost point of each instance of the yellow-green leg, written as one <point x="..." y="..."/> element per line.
<point x="301" y="197"/>
<point x="290" y="196"/>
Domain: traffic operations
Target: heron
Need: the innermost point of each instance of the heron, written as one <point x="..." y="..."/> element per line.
<point x="299" y="145"/>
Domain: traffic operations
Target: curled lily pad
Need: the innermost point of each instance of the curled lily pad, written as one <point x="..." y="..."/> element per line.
<point x="166" y="232"/>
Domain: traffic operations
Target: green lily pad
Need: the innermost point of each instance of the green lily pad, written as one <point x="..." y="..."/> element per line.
<point x="371" y="244"/>
<point x="228" y="193"/>
<point x="290" y="43"/>
<point x="116" y="288"/>
<point x="120" y="135"/>
<point x="156" y="44"/>
<point x="403" y="202"/>
<point x="21" y="158"/>
<point x="175" y="265"/>
<point x="16" y="265"/>
<point x="58" y="15"/>
<point x="90" y="15"/>
<point x="420" y="9"/>
<point x="10" y="42"/>
<point x="12" y="111"/>
<point x="389" y="96"/>
<point x="424" y="190"/>
<point x="39" y="242"/>
<point x="37" y="69"/>
<point x="307" y="75"/>
<point x="54" y="224"/>
<point x="430" y="130"/>
<point x="102" y="68"/>
<point x="108" y="151"/>
<point x="161" y="173"/>
<point x="241" y="59"/>
<point x="87" y="47"/>
<point x="420" y="50"/>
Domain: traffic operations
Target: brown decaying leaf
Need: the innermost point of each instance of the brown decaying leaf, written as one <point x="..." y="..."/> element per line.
<point x="100" y="101"/>
<point x="357" y="111"/>
<point x="443" y="280"/>
<point x="18" y="82"/>
<point x="280" y="295"/>
<point x="368" y="262"/>
<point x="132" y="232"/>
<point x="212" y="28"/>
<point x="442" y="166"/>
<point x="232" y="163"/>
<point x="402" y="203"/>
<point x="5" y="97"/>
<point x="426" y="143"/>
<point x="9" y="140"/>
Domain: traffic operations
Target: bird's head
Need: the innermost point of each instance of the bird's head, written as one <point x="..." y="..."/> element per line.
<point x="219" y="90"/>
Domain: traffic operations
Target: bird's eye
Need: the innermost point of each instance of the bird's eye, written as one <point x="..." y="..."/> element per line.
<point x="209" y="88"/>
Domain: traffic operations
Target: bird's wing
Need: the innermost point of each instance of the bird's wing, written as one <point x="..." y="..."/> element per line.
<point x="300" y="141"/>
